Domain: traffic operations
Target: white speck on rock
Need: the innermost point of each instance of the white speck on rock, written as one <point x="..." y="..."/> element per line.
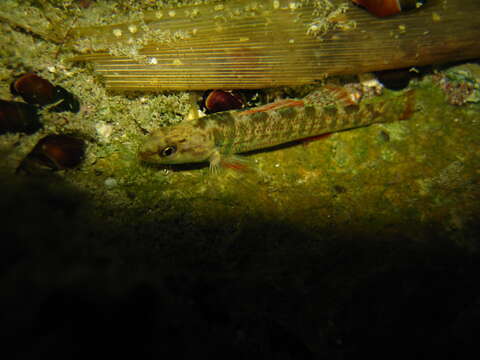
<point x="110" y="182"/>
<point x="104" y="131"/>
<point x="117" y="32"/>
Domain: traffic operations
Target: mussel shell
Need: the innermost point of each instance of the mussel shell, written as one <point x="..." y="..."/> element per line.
<point x="69" y="101"/>
<point x="55" y="152"/>
<point x="39" y="91"/>
<point x="18" y="117"/>
<point x="220" y="100"/>
<point x="34" y="89"/>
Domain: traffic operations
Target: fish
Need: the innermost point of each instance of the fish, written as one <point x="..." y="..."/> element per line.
<point x="219" y="138"/>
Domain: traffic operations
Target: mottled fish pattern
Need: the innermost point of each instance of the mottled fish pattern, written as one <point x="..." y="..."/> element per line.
<point x="217" y="137"/>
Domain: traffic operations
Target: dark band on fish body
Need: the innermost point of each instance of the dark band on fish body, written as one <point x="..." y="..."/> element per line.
<point x="333" y="120"/>
<point x="351" y="109"/>
<point x="228" y="120"/>
<point x="287" y="113"/>
<point x="222" y="119"/>
<point x="303" y="124"/>
<point x="259" y="116"/>
<point x="310" y="112"/>
<point x="330" y="110"/>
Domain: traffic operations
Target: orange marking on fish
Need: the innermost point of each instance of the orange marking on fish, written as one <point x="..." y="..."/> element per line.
<point x="233" y="165"/>
<point x="308" y="140"/>
<point x="274" y="106"/>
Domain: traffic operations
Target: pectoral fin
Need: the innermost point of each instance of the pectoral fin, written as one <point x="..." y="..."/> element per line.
<point x="235" y="162"/>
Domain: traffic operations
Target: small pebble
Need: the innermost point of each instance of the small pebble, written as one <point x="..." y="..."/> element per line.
<point x="110" y="182"/>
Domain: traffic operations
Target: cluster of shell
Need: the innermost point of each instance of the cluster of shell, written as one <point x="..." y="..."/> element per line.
<point x="54" y="151"/>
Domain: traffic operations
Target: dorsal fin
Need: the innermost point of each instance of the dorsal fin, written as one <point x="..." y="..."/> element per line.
<point x="334" y="94"/>
<point x="274" y="106"/>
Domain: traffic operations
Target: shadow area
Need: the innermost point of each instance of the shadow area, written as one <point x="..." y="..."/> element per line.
<point x="74" y="284"/>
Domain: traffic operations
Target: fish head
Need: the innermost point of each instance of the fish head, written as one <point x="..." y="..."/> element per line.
<point x="179" y="144"/>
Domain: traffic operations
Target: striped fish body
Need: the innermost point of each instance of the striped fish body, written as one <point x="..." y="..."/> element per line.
<point x="218" y="136"/>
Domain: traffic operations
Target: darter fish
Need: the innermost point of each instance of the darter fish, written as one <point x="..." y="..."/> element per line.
<point x="217" y="138"/>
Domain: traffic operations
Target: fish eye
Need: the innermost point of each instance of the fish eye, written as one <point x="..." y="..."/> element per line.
<point x="169" y="150"/>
